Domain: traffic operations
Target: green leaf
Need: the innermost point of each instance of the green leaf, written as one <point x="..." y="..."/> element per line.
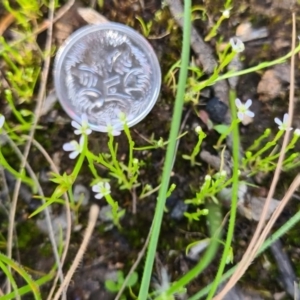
<point x="26" y="112"/>
<point x="21" y="175"/>
<point x="120" y="277"/>
<point x="184" y="156"/>
<point x="229" y="259"/>
<point x="33" y="286"/>
<point x="221" y="128"/>
<point x="27" y="288"/>
<point x="111" y="286"/>
<point x="132" y="279"/>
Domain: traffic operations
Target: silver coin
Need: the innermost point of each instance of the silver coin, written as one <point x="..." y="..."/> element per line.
<point x="105" y="70"/>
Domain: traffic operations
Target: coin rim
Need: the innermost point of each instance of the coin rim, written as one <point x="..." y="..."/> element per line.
<point x="134" y="35"/>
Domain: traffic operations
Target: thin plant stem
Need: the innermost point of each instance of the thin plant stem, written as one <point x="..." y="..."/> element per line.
<point x="261" y="66"/>
<point x="215" y="227"/>
<point x="171" y="149"/>
<point x="131" y="146"/>
<point x="234" y="198"/>
<point x="134" y="266"/>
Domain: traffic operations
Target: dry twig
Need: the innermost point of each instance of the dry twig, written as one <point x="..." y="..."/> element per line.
<point x="93" y="216"/>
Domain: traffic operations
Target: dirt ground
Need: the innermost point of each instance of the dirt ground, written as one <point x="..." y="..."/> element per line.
<point x="265" y="27"/>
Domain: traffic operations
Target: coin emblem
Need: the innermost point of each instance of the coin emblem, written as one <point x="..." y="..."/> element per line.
<point x="103" y="70"/>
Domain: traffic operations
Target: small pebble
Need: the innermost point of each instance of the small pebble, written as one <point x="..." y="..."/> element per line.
<point x="246" y="32"/>
<point x="197" y="249"/>
<point x="82" y="194"/>
<point x="178" y="210"/>
<point x="216" y="110"/>
<point x="59" y="225"/>
<point x="176" y="207"/>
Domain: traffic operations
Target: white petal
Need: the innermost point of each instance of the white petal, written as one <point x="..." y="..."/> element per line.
<point x="81" y="143"/>
<point x="240" y="115"/>
<point x="88" y="131"/>
<point x="76" y="125"/>
<point x="68" y="146"/>
<point x="297" y="132"/>
<point x="250" y="113"/>
<point x="115" y="132"/>
<point x="238" y="103"/>
<point x="99" y="196"/>
<point x="237" y="45"/>
<point x="2" y="120"/>
<point x="106" y="185"/>
<point x="96" y="188"/>
<point x="74" y="154"/>
<point x="84" y="119"/>
<point x="77" y="131"/>
<point x="285" y="118"/>
<point x="278" y="121"/>
<point x="248" y="103"/>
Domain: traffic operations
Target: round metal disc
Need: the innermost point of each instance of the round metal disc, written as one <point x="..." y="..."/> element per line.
<point x="103" y="70"/>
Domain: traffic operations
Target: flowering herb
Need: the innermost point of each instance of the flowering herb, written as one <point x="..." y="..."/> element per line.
<point x="243" y="109"/>
<point x="237" y="45"/>
<point x="75" y="147"/>
<point x="112" y="130"/>
<point x="102" y="189"/>
<point x="297" y="132"/>
<point x="283" y="125"/>
<point x="82" y="128"/>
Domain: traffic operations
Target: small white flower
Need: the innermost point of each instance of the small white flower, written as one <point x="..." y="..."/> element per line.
<point x="160" y="142"/>
<point x="82" y="128"/>
<point x="283" y="125"/>
<point x="237" y="45"/>
<point x="112" y="130"/>
<point x="2" y="120"/>
<point x="207" y="178"/>
<point x="243" y="109"/>
<point x="226" y="13"/>
<point x="297" y="132"/>
<point x="198" y="129"/>
<point x="74" y="147"/>
<point x="102" y="189"/>
<point x="223" y="173"/>
<point x="122" y="117"/>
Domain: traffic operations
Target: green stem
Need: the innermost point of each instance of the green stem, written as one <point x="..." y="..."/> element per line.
<point x="91" y="164"/>
<point x="171" y="151"/>
<point x="131" y="147"/>
<point x="214" y="221"/>
<point x="196" y="149"/>
<point x="266" y="147"/>
<point x="235" y="153"/>
<point x="254" y="69"/>
<point x="115" y="161"/>
<point x="21" y="176"/>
